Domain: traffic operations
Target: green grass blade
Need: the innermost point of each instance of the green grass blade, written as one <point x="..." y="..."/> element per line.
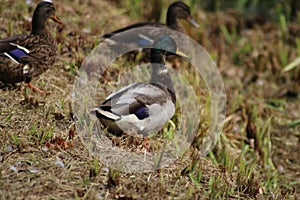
<point x="292" y="65"/>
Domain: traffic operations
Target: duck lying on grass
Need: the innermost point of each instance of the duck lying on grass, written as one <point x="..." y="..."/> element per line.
<point x="25" y="56"/>
<point x="176" y="11"/>
<point x="143" y="108"/>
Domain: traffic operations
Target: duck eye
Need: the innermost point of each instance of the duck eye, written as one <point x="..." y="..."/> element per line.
<point x="49" y="11"/>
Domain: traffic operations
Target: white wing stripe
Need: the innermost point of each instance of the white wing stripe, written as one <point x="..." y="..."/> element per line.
<point x="108" y="114"/>
<point x="146" y="38"/>
<point x="20" y="47"/>
<point x="11" y="58"/>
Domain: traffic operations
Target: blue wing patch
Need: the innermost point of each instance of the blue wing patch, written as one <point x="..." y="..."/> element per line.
<point x="142" y="113"/>
<point x="143" y="42"/>
<point x="17" y="53"/>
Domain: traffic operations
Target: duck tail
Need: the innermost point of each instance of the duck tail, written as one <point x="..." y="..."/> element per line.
<point x="105" y="114"/>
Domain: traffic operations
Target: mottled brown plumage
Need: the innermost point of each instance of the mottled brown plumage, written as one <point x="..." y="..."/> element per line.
<point x="176" y="11"/>
<point x="25" y="56"/>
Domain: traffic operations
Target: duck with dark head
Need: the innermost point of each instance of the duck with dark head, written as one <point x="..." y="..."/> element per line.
<point x="177" y="11"/>
<point x="143" y="108"/>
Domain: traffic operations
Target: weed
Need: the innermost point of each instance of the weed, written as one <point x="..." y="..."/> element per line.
<point x="15" y="139"/>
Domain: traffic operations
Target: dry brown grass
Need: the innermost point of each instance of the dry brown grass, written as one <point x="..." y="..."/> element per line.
<point x="29" y="121"/>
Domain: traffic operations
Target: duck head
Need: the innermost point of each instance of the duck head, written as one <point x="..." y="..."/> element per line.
<point x="44" y="11"/>
<point x="179" y="10"/>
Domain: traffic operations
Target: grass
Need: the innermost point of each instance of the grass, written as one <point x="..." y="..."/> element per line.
<point x="292" y="65"/>
<point x="255" y="158"/>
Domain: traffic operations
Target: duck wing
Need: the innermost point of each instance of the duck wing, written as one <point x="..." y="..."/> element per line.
<point x="28" y="48"/>
<point x="136" y="99"/>
<point x="136" y="25"/>
<point x="5" y="43"/>
<point x="13" y="48"/>
<point x="139" y="38"/>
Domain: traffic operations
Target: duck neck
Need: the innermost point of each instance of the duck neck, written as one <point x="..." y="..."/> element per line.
<point x="38" y="24"/>
<point x="160" y="74"/>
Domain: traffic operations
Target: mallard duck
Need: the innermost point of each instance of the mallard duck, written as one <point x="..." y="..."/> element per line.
<point x="176" y="11"/>
<point x="25" y="56"/>
<point x="143" y="108"/>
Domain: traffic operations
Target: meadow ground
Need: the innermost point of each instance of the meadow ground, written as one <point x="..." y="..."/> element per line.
<point x="257" y="156"/>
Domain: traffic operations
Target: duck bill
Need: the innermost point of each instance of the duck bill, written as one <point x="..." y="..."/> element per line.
<point x="193" y="22"/>
<point x="180" y="53"/>
<point x="56" y="19"/>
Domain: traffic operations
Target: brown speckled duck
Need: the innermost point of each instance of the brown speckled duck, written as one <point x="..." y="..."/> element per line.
<point x="25" y="56"/>
<point x="176" y="11"/>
